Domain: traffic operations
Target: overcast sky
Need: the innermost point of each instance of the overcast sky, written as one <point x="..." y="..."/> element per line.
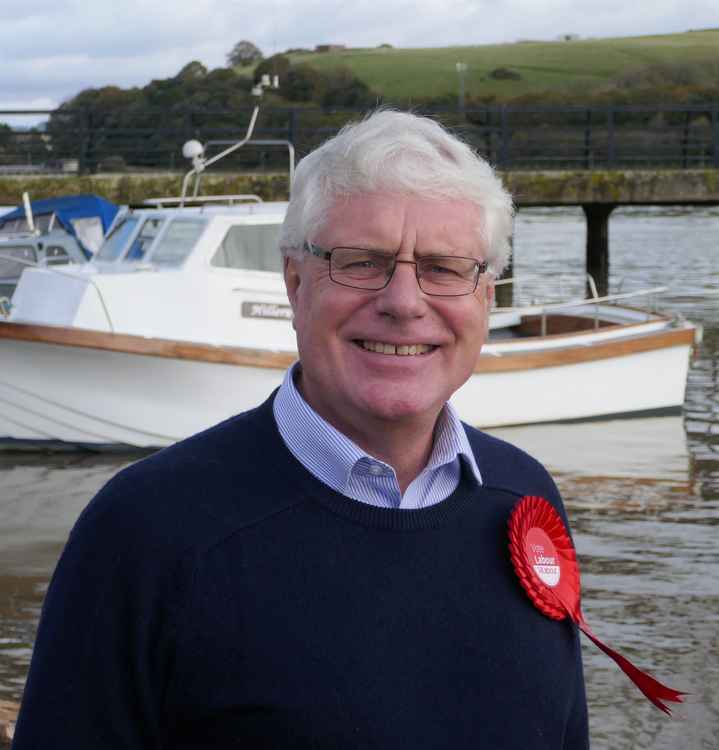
<point x="52" y="49"/>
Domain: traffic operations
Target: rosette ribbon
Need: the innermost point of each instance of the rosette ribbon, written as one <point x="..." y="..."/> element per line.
<point x="545" y="561"/>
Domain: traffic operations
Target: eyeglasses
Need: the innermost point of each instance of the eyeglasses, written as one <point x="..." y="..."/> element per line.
<point x="437" y="275"/>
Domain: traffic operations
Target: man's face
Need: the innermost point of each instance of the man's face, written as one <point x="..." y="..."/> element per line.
<point x="359" y="390"/>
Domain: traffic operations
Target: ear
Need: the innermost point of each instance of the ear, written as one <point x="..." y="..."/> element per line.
<point x="292" y="275"/>
<point x="490" y="293"/>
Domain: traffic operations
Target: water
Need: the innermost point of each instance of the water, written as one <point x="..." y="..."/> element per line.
<point x="643" y="495"/>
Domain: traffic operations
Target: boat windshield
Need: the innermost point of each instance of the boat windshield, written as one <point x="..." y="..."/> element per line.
<point x="115" y="242"/>
<point x="177" y="242"/>
<point x="145" y="237"/>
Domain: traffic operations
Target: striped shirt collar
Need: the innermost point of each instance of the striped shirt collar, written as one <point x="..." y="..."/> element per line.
<point x="341" y="464"/>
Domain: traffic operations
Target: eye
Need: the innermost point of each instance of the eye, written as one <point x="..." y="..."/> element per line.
<point x="356" y="261"/>
<point x="441" y="269"/>
<point x="364" y="263"/>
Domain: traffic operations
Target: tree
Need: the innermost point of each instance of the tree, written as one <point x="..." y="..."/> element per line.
<point x="277" y="65"/>
<point x="244" y="53"/>
<point x="192" y="71"/>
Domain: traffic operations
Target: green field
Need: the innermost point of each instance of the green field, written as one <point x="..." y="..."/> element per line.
<point x="573" y="66"/>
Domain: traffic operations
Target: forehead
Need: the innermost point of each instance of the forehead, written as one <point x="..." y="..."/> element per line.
<point x="390" y="221"/>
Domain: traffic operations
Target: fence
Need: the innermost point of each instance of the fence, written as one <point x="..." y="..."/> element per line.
<point x="626" y="137"/>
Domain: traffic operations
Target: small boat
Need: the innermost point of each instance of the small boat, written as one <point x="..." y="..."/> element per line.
<point x="181" y="320"/>
<point x="51" y="232"/>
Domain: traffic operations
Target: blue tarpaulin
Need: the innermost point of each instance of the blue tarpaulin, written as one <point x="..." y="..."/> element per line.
<point x="67" y="208"/>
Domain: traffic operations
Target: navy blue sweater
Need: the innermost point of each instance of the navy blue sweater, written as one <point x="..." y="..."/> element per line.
<point x="218" y="595"/>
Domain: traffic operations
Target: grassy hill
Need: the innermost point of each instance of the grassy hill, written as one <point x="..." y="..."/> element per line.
<point x="582" y="65"/>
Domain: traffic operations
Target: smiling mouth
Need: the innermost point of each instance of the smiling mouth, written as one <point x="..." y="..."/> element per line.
<point x="400" y="350"/>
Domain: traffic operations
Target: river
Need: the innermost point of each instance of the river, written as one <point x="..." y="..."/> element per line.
<point x="642" y="495"/>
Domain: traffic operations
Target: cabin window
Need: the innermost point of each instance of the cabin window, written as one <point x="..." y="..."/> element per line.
<point x="89" y="231"/>
<point x="145" y="237"/>
<point x="9" y="268"/>
<point x="115" y="242"/>
<point x="252" y="247"/>
<point x="56" y="256"/>
<point x="43" y="223"/>
<point x="177" y="242"/>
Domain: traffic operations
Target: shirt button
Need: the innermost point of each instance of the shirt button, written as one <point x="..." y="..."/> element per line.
<point x="376" y="470"/>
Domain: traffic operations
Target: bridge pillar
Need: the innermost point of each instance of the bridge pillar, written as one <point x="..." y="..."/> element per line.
<point x="597" y="215"/>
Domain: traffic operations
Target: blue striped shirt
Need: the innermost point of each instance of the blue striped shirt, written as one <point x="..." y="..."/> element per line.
<point x="342" y="465"/>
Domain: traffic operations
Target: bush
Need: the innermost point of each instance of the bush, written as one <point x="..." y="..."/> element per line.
<point x="344" y="90"/>
<point x="302" y="83"/>
<point x="504" y="74"/>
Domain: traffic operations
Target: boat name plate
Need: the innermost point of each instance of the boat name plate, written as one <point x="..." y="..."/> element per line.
<point x="266" y="310"/>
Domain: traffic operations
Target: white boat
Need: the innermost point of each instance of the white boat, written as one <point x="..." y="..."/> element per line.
<point x="182" y="320"/>
<point x="146" y="352"/>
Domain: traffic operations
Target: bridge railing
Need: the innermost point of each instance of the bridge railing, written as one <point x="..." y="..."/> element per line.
<point x="88" y="141"/>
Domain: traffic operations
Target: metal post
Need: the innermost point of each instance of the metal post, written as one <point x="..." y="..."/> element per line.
<point x="588" y="140"/>
<point x="685" y="141"/>
<point x="461" y="70"/>
<point x="610" y="137"/>
<point x="504" y="142"/>
<point x="84" y="143"/>
<point x="292" y="127"/>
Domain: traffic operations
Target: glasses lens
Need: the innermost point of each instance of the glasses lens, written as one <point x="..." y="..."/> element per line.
<point x="363" y="269"/>
<point x="447" y="275"/>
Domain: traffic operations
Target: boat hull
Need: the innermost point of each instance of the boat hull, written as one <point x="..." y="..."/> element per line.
<point x="60" y="386"/>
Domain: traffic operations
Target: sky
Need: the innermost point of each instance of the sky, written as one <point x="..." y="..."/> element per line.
<point x="52" y="49"/>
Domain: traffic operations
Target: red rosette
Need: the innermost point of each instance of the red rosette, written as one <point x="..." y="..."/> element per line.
<point x="544" y="558"/>
<point x="545" y="562"/>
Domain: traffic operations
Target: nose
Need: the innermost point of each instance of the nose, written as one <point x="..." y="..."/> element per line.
<point x="402" y="298"/>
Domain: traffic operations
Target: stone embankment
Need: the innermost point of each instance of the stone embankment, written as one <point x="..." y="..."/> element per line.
<point x="621" y="187"/>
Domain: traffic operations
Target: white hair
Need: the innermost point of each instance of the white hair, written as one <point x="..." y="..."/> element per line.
<point x="402" y="153"/>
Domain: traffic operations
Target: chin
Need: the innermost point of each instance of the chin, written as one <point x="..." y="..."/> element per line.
<point x="403" y="408"/>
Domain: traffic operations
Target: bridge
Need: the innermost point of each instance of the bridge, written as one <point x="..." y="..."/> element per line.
<point x="599" y="193"/>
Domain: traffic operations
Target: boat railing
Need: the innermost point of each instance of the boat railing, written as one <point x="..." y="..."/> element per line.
<point x="254" y="142"/>
<point x="548" y="309"/>
<point x="561" y="279"/>
<point x="6" y="310"/>
<point x="203" y="199"/>
<point x="195" y="150"/>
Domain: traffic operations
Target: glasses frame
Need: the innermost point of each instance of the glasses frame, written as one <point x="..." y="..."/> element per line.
<point x="480" y="267"/>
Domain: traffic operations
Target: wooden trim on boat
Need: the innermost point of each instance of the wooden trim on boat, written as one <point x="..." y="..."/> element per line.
<point x="576" y="354"/>
<point x="151" y="347"/>
<point x="507" y="362"/>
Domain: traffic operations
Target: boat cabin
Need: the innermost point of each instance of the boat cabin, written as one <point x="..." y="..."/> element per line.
<point x="198" y="274"/>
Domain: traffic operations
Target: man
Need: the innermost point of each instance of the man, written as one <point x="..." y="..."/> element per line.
<point x="329" y="570"/>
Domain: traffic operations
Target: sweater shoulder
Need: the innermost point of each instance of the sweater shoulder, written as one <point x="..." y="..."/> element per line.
<point x="209" y="484"/>
<point x="506" y="467"/>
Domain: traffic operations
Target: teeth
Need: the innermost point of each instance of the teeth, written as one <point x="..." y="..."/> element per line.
<point x="402" y="350"/>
